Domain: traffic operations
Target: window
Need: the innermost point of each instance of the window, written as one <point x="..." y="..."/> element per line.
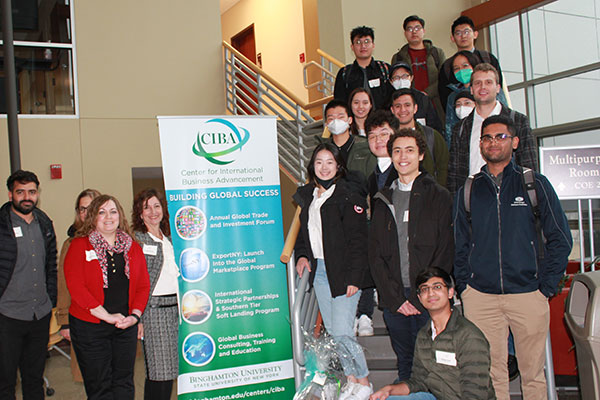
<point x="44" y="58"/>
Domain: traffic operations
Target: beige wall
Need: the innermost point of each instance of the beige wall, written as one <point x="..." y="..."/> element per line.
<point x="279" y="35"/>
<point x="386" y="17"/>
<point x="135" y="61"/>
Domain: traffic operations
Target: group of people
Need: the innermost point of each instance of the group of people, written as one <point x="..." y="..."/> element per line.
<point x="424" y="216"/>
<point x="114" y="283"/>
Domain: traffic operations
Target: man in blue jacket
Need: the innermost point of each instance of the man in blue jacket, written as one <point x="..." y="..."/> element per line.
<point x="505" y="268"/>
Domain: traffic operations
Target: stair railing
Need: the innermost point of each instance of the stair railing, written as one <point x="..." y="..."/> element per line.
<point x="251" y="91"/>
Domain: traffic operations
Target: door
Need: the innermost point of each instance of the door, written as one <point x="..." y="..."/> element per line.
<point x="245" y="44"/>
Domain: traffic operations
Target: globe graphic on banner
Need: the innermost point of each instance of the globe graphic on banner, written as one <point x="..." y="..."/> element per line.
<point x="194" y="264"/>
<point x="198" y="349"/>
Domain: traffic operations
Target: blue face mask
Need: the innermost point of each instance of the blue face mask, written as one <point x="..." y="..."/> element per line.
<point x="464" y="76"/>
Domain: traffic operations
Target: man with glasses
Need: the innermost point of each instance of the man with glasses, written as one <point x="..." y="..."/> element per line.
<point x="463" y="34"/>
<point x="465" y="156"/>
<point x="424" y="58"/>
<point x="511" y="252"/>
<point x="452" y="357"/>
<point x="365" y="72"/>
<point x="414" y="207"/>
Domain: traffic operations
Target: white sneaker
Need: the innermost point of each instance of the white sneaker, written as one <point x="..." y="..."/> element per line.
<point x="361" y="392"/>
<point x="365" y="326"/>
<point x="347" y="390"/>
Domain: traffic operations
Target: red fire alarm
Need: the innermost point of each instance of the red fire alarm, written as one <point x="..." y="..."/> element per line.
<point x="302" y="57"/>
<point x="55" y="171"/>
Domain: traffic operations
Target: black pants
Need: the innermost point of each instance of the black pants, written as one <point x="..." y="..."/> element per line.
<point x="23" y="345"/>
<point x="106" y="357"/>
<point x="157" y="390"/>
<point x="366" y="304"/>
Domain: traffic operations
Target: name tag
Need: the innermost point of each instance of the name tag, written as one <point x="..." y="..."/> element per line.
<point x="374" y="83"/>
<point x="18" y="232"/>
<point x="446" y="358"/>
<point x="150" y="249"/>
<point x="90" y="255"/>
<point x="405" y="219"/>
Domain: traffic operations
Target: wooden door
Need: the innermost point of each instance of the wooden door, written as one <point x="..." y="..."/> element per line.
<point x="245" y="44"/>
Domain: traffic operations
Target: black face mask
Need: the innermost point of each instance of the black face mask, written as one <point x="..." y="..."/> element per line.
<point x="325" y="183"/>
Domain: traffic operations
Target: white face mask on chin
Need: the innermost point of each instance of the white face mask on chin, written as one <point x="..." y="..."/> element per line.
<point x="338" y="126"/>
<point x="463" y="111"/>
<point x="401" y="84"/>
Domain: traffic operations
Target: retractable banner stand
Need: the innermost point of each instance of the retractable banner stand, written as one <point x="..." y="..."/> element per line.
<point x="222" y="186"/>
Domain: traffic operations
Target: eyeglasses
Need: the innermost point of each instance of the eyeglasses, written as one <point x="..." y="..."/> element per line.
<point x="499" y="138"/>
<point x="415" y="28"/>
<point x="398" y="77"/>
<point x="81" y="210"/>
<point x="360" y="42"/>
<point x="438" y="287"/>
<point x="375" y="136"/>
<point x="464" y="32"/>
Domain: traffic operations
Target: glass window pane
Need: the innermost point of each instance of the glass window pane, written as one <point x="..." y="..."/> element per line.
<point x="517" y="100"/>
<point x="563" y="36"/>
<point x="587" y="138"/>
<point x="41" y="21"/>
<point x="509" y="49"/>
<point x="44" y="81"/>
<point x="569" y="99"/>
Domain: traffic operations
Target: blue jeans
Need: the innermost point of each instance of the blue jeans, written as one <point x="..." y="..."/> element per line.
<point x="403" y="334"/>
<point x="338" y="316"/>
<point x="414" y="396"/>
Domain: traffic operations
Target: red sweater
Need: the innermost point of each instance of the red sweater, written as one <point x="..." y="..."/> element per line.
<point x="84" y="280"/>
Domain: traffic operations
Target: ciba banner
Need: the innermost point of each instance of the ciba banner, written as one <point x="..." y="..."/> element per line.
<point x="222" y="185"/>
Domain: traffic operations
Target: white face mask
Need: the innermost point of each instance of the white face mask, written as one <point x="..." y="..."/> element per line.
<point x="338" y="126"/>
<point x="463" y="111"/>
<point x="401" y="84"/>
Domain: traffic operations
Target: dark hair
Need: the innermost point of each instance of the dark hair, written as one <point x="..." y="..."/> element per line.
<point x="353" y="127"/>
<point x="471" y="58"/>
<point x="139" y="202"/>
<point x="485" y="67"/>
<point x="89" y="224"/>
<point x="433" y="272"/>
<point x="337" y="103"/>
<point x="380" y="117"/>
<point x="462" y="20"/>
<point x="404" y="92"/>
<point x="22" y="177"/>
<point x="337" y="155"/>
<point x="499" y="119"/>
<point x="405" y="132"/>
<point x="411" y="19"/>
<point x="362" y="31"/>
<point x="466" y="94"/>
<point x="92" y="194"/>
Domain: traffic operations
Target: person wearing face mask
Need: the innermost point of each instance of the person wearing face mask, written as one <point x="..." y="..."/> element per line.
<point x="332" y="247"/>
<point x="402" y="78"/>
<point x="353" y="149"/>
<point x="463" y="63"/>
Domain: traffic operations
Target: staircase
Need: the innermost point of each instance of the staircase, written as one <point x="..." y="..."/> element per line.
<point x="381" y="358"/>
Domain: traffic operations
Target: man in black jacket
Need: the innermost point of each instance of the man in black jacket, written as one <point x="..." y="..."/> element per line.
<point x="410" y="231"/>
<point x="365" y="72"/>
<point x="463" y="35"/>
<point x="27" y="287"/>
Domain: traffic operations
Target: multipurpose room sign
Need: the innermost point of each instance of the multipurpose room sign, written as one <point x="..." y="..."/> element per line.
<point x="573" y="171"/>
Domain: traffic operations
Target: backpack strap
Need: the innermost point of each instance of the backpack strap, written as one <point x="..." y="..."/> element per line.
<point x="430" y="140"/>
<point x="467" y="196"/>
<point x="529" y="185"/>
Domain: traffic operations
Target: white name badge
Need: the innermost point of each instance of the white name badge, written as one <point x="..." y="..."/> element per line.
<point x="405" y="219"/>
<point x="374" y="83"/>
<point x="90" y="255"/>
<point x="18" y="232"/>
<point x="150" y="250"/>
<point x="446" y="358"/>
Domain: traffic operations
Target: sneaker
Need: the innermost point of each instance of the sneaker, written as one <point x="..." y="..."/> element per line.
<point x="361" y="392"/>
<point x="365" y="326"/>
<point x="347" y="390"/>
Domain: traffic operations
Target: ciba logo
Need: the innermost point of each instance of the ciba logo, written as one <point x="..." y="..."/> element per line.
<point x="221" y="139"/>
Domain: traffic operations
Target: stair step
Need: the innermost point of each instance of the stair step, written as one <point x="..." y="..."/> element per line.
<point x="381" y="378"/>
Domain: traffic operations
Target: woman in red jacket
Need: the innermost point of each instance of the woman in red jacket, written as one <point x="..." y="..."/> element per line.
<point x="107" y="278"/>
